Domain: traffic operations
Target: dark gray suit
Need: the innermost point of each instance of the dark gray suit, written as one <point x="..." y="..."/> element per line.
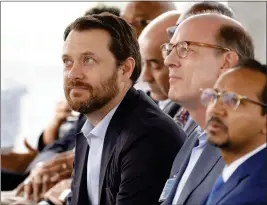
<point x="207" y="169"/>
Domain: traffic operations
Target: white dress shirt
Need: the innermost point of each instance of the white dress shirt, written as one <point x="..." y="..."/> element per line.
<point x="195" y="154"/>
<point x="230" y="169"/>
<point x="162" y="104"/>
<point x="95" y="137"/>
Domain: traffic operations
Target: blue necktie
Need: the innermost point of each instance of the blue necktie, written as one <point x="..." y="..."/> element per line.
<point x="218" y="184"/>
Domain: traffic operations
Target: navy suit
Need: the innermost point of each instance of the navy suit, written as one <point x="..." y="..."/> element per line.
<point x="247" y="185"/>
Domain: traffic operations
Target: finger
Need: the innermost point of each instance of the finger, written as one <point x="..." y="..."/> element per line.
<point x="28" y="146"/>
<point x="60" y="176"/>
<point x="46" y="183"/>
<point x="19" y="189"/>
<point x="37" y="187"/>
<point x="55" y="178"/>
<point x="28" y="190"/>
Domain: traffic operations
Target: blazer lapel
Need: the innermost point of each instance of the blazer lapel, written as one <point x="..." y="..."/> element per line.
<point x="190" y="128"/>
<point x="253" y="164"/>
<point x="191" y="142"/>
<point x="81" y="156"/>
<point x="113" y="131"/>
<point x="213" y="155"/>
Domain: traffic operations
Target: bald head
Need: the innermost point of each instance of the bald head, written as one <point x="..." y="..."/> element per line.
<point x="156" y="30"/>
<point x="217" y="29"/>
<point x="150" y="40"/>
<point x="139" y="14"/>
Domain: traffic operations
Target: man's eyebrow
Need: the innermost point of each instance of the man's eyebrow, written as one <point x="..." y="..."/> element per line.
<point x="86" y="53"/>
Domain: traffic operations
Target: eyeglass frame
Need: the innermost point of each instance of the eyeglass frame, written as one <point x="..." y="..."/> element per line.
<point x="240" y="98"/>
<point x="188" y="43"/>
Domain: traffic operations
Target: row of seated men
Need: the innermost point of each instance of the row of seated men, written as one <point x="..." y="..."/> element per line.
<point x="209" y="149"/>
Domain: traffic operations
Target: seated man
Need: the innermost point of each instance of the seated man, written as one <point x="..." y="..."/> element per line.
<point x="16" y="171"/>
<point x="155" y="73"/>
<point x="236" y="124"/>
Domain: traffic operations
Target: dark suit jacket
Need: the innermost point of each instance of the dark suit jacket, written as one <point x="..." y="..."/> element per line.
<point x="171" y="108"/>
<point x="139" y="147"/>
<point x="203" y="175"/>
<point x="247" y="185"/>
<point x="66" y="143"/>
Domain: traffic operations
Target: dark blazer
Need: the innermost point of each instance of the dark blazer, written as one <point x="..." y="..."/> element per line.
<point x="203" y="175"/>
<point x="247" y="185"/>
<point x="139" y="147"/>
<point x="171" y="108"/>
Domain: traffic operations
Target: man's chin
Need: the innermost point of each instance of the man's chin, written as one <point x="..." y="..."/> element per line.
<point x="157" y="96"/>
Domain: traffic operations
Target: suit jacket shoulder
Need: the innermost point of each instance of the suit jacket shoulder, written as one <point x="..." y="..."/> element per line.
<point x="247" y="185"/>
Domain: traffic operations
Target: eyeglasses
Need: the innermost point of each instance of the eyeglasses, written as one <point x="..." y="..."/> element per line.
<point x="229" y="99"/>
<point x="182" y="48"/>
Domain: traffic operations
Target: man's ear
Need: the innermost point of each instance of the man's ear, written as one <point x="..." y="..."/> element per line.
<point x="127" y="68"/>
<point x="230" y="60"/>
<point x="264" y="129"/>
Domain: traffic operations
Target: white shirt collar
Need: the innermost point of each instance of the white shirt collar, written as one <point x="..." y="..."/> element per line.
<point x="229" y="170"/>
<point x="100" y="130"/>
<point x="163" y="103"/>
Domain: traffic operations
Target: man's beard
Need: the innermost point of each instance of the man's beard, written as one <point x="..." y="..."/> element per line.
<point x="99" y="96"/>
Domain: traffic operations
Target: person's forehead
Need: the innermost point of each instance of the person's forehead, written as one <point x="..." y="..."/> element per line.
<point x="199" y="30"/>
<point x="242" y="81"/>
<point x="94" y="40"/>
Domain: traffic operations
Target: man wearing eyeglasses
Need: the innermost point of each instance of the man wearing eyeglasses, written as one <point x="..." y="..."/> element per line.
<point x="140" y="13"/>
<point x="236" y="124"/>
<point x="202" y="47"/>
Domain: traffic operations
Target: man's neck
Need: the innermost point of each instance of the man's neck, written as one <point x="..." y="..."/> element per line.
<point x="96" y="116"/>
<point x="232" y="154"/>
<point x="198" y="114"/>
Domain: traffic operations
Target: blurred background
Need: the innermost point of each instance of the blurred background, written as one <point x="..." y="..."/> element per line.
<point x="31" y="70"/>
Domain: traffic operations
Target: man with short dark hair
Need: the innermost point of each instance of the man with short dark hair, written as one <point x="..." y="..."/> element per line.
<point x="127" y="144"/>
<point x="236" y="124"/>
<point x="196" y="58"/>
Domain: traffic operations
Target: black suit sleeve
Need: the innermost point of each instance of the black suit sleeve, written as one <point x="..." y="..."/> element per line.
<point x="145" y="169"/>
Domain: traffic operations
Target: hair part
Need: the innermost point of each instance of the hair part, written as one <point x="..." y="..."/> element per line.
<point x="123" y="42"/>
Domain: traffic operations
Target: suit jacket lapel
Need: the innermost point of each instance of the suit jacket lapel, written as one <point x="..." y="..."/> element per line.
<point x="190" y="143"/>
<point x="81" y="156"/>
<point x="213" y="155"/>
<point x="190" y="128"/>
<point x="171" y="108"/>
<point x="243" y="171"/>
<point x="113" y="131"/>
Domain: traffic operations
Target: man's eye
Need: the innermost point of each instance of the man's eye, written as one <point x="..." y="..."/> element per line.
<point x="67" y="62"/>
<point x="88" y="60"/>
